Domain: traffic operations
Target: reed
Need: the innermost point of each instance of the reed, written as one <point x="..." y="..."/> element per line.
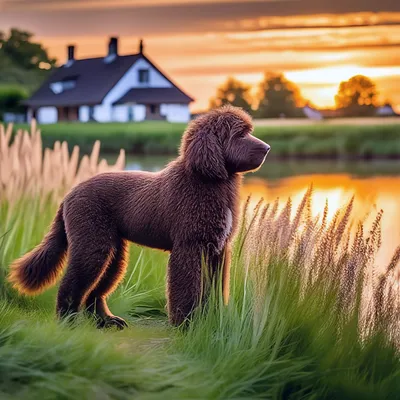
<point x="334" y="256"/>
<point x="26" y="169"/>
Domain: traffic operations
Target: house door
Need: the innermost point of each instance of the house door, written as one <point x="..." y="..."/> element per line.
<point x="153" y="112"/>
<point x="68" y="113"/>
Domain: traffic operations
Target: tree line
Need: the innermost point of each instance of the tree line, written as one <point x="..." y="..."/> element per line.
<point x="276" y="96"/>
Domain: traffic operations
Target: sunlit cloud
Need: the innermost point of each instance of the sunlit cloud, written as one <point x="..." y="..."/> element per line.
<point x="317" y="21"/>
<point x="106" y="4"/>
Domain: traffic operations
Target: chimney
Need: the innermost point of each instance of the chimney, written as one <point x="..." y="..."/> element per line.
<point x="113" y="47"/>
<point x="141" y="46"/>
<point x="71" y="55"/>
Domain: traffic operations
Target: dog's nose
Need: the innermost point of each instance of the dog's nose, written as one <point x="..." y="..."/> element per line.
<point x="267" y="148"/>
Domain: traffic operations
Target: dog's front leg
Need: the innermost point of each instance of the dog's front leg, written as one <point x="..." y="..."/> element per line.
<point x="226" y="272"/>
<point x="184" y="283"/>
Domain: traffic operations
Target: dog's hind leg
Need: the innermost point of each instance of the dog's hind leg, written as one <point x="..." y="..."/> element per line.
<point x="89" y="258"/>
<point x="96" y="302"/>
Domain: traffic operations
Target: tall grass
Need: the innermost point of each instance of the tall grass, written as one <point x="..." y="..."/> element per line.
<point x="26" y="169"/>
<point x="310" y="316"/>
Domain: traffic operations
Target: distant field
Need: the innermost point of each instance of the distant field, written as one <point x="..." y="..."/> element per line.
<point x="346" y="138"/>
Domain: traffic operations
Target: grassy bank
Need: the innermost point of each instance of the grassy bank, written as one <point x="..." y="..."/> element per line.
<point x="320" y="140"/>
<point x="292" y="329"/>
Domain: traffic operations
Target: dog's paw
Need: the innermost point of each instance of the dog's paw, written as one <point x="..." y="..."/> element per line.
<point x="112" y="321"/>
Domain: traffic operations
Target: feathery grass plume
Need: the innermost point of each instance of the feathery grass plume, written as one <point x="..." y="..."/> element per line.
<point x="394" y="261"/>
<point x="385" y="302"/>
<point x="246" y="230"/>
<point x="263" y="213"/>
<point x="325" y="215"/>
<point x="304" y="205"/>
<point x="343" y="223"/>
<point x="374" y="239"/>
<point x="323" y="255"/>
<point x="27" y="170"/>
<point x="283" y="223"/>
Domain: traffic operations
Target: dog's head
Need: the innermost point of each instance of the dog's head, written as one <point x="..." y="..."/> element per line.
<point x="219" y="144"/>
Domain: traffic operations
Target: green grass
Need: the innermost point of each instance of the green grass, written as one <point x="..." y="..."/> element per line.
<point x="317" y="140"/>
<point x="291" y="330"/>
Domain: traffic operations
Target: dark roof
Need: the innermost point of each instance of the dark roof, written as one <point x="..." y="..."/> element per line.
<point x="94" y="79"/>
<point x="154" y="96"/>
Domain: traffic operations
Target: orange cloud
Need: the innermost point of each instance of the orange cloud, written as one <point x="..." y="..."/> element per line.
<point x="106" y="4"/>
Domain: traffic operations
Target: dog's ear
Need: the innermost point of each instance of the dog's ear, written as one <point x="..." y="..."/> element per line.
<point x="202" y="151"/>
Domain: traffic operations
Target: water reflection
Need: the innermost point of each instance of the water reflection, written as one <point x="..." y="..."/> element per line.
<point x="376" y="185"/>
<point x="371" y="195"/>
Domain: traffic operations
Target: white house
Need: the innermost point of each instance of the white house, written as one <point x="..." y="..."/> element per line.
<point x="113" y="88"/>
<point x="386" y="111"/>
<point x="312" y="113"/>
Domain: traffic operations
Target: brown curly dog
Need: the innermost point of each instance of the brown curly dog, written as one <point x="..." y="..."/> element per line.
<point x="190" y="208"/>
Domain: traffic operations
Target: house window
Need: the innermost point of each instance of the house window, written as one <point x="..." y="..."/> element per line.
<point x="144" y="76"/>
<point x="68" y="85"/>
<point x="61" y="86"/>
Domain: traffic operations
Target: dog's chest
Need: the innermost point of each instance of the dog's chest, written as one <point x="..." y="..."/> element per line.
<point x="226" y="230"/>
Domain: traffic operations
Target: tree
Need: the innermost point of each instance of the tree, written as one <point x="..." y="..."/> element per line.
<point x="24" y="53"/>
<point x="233" y="92"/>
<point x="357" y="96"/>
<point x="278" y="97"/>
<point x="23" y="61"/>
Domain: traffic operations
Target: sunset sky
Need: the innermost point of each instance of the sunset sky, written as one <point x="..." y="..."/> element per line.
<point x="316" y="43"/>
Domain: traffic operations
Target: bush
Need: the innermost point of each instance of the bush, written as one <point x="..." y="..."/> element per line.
<point x="11" y="98"/>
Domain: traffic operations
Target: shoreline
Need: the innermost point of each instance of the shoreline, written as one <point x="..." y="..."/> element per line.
<point x="313" y="141"/>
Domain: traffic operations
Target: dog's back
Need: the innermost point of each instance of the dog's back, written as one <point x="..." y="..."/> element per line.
<point x="133" y="203"/>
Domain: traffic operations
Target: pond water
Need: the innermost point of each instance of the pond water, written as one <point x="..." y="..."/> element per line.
<point x="376" y="185"/>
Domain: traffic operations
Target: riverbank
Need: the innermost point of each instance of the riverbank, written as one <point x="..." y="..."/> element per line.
<point x="314" y="140"/>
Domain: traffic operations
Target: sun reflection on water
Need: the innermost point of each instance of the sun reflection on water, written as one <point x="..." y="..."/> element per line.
<point x="371" y="195"/>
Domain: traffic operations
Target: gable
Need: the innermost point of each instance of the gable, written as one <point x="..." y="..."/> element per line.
<point x="158" y="85"/>
<point x="131" y="80"/>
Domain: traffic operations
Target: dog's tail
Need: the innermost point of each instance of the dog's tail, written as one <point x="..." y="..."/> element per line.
<point x="41" y="267"/>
